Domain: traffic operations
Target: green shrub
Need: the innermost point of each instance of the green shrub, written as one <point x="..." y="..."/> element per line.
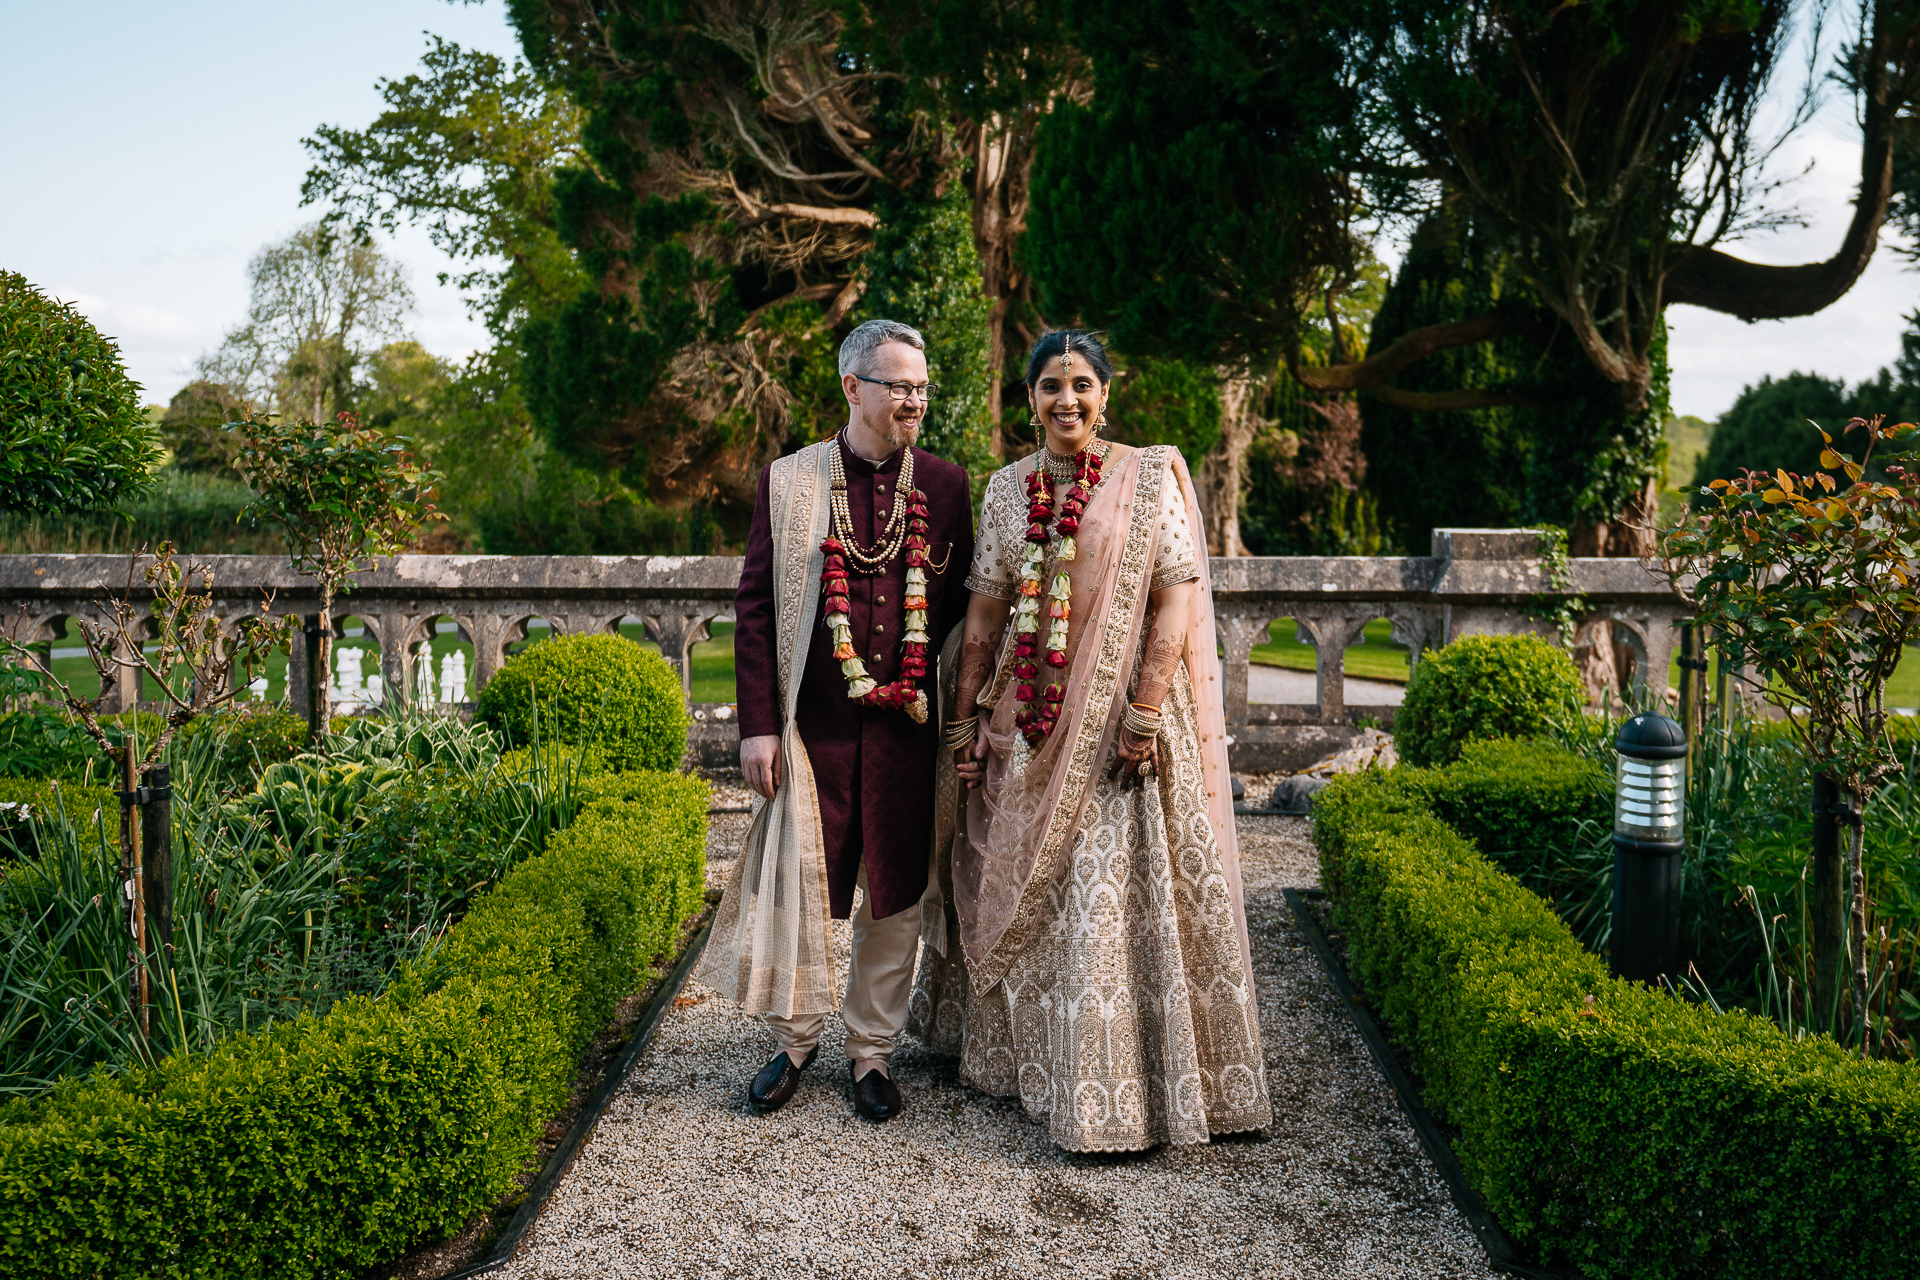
<point x="331" y="1144"/>
<point x="1604" y="1123"/>
<point x="73" y="435"/>
<point x="25" y="802"/>
<point x="1484" y="687"/>
<point x="248" y="738"/>
<point x="601" y="690"/>
<point x="44" y="741"/>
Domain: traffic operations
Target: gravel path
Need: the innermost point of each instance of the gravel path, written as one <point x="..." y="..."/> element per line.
<point x="682" y="1179"/>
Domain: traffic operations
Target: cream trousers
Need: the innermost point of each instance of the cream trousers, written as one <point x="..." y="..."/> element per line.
<point x="879" y="985"/>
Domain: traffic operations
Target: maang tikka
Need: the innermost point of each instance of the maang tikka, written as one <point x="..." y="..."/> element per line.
<point x="1066" y="354"/>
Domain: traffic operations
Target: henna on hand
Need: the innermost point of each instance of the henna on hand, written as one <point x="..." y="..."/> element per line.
<point x="976" y="667"/>
<point x="1157" y="668"/>
<point x="1130" y="752"/>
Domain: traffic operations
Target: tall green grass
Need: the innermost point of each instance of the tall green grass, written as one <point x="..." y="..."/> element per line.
<point x="310" y="887"/>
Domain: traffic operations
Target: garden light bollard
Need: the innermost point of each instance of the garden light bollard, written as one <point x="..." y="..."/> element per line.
<point x="1649" y="835"/>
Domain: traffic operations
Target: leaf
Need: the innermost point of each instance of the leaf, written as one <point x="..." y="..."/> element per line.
<point x="1773" y="495"/>
<point x="1828" y="458"/>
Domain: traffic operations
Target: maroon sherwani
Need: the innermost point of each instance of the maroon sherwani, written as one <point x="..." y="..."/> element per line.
<point x="873" y="766"/>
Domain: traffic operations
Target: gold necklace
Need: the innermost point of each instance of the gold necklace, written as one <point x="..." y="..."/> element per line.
<point x="1062" y="470"/>
<point x="895" y="532"/>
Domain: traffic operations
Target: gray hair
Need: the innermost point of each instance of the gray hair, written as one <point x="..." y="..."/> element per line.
<point x="856" y="353"/>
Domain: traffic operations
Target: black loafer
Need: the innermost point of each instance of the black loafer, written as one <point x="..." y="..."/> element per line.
<point x="874" y="1095"/>
<point x="777" y="1080"/>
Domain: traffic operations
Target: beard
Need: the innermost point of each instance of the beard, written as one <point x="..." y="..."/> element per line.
<point x="898" y="434"/>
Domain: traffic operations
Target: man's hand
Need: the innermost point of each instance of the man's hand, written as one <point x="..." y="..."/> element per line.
<point x="760" y="761"/>
<point x="970" y="762"/>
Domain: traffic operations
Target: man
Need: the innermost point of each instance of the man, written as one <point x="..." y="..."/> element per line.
<point x="834" y="664"/>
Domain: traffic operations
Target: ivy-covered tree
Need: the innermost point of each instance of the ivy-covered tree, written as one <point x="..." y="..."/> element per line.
<point x="73" y="435"/>
<point x="923" y="270"/>
<point x="1432" y="469"/>
<point x="1192" y="204"/>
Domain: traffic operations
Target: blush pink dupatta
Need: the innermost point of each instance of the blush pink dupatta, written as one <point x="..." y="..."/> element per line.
<point x="1020" y="826"/>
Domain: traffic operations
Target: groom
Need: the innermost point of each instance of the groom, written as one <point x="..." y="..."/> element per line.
<point x="836" y="688"/>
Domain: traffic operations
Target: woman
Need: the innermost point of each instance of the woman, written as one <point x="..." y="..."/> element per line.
<point x="1101" y="970"/>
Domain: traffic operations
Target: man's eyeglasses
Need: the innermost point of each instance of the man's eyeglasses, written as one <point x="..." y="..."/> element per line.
<point x="901" y="390"/>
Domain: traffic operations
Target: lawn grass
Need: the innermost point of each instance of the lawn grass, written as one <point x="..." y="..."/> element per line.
<point x="1376" y="657"/>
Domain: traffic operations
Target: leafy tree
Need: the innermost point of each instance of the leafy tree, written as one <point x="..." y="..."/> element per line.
<point x="321" y="304"/>
<point x="73" y="435"/>
<point x="341" y="494"/>
<point x="468" y="148"/>
<point x="1776" y="423"/>
<point x="195" y="426"/>
<point x="1605" y="150"/>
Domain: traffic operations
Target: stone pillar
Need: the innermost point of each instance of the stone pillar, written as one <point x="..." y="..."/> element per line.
<point x="1239" y="632"/>
<point x="678" y="625"/>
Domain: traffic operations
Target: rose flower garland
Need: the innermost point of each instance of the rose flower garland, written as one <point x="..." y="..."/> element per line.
<point x="1035" y="725"/>
<point x="903" y="694"/>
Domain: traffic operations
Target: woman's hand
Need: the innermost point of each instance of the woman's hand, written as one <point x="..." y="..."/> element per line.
<point x="970" y="762"/>
<point x="1135" y="758"/>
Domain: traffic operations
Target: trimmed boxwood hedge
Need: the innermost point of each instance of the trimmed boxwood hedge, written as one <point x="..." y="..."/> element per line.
<point x="331" y="1144"/>
<point x="599" y="690"/>
<point x="1485" y="687"/>
<point x="1607" y="1124"/>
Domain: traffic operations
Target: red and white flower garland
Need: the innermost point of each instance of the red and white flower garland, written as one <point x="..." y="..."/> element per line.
<point x="905" y="693"/>
<point x="1034" y="724"/>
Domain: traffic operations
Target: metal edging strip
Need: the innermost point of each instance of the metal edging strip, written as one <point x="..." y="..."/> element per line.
<point x="1500" y="1251"/>
<point x="521" y="1224"/>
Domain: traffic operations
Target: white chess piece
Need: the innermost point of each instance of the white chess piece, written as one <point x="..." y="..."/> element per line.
<point x="258" y="687"/>
<point x="376" y="690"/>
<point x="346" y="679"/>
<point x="453" y="678"/>
<point x="423" y="675"/>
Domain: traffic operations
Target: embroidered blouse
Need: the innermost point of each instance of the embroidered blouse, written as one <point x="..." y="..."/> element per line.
<point x="1002" y="537"/>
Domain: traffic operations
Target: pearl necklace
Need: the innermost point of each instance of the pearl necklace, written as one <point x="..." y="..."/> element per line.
<point x="892" y="536"/>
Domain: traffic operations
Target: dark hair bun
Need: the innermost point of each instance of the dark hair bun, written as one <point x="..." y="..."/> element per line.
<point x="1085" y="347"/>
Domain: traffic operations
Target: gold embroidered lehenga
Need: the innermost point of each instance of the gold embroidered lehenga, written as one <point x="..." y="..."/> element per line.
<point x="1091" y="956"/>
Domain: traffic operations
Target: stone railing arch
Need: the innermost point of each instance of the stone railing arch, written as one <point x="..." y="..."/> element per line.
<point x="1475" y="581"/>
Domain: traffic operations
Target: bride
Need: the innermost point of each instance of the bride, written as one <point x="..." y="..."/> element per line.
<point x="1094" y="959"/>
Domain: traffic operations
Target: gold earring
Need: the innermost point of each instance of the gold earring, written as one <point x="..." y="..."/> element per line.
<point x="1033" y="419"/>
<point x="1100" y="423"/>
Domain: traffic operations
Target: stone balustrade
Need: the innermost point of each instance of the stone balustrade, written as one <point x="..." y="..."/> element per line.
<point x="1477" y="581"/>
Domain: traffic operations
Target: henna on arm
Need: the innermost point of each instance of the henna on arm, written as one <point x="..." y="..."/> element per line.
<point x="1166" y="645"/>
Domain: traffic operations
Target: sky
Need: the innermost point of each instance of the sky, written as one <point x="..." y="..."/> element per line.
<point x="148" y="159"/>
<point x="152" y="149"/>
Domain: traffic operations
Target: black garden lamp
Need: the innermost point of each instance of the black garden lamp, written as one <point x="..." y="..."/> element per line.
<point x="1649" y="835"/>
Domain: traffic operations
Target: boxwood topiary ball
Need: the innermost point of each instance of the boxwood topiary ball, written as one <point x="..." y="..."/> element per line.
<point x="598" y="690"/>
<point x="1484" y="687"/>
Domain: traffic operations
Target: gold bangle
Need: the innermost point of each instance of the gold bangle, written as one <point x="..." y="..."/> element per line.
<point x="1144" y="721"/>
<point x="960" y="732"/>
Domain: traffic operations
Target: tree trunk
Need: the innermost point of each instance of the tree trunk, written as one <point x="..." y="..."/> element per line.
<point x="1221" y="474"/>
<point x="1601" y="658"/>
<point x="1857" y="895"/>
<point x="1827" y="909"/>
